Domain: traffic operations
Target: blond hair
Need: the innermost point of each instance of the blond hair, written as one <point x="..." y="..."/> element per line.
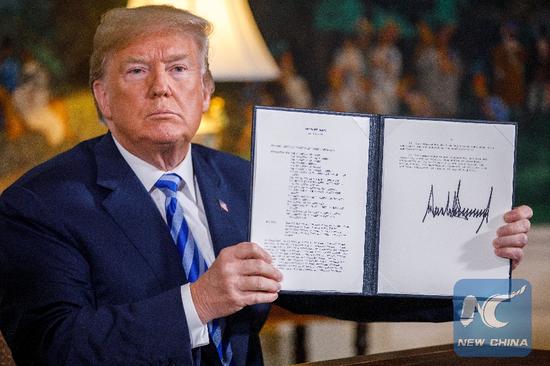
<point x="120" y="26"/>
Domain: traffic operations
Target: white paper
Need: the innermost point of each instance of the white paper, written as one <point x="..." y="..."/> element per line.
<point x="309" y="197"/>
<point x="427" y="244"/>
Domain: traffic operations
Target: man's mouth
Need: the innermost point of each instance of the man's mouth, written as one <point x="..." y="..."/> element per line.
<point x="162" y="113"/>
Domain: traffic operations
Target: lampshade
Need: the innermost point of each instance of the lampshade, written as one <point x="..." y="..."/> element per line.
<point x="237" y="49"/>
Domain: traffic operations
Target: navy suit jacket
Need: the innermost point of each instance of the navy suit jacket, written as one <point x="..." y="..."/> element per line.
<point x="90" y="275"/>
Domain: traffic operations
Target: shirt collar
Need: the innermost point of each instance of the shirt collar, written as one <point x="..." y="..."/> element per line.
<point x="149" y="174"/>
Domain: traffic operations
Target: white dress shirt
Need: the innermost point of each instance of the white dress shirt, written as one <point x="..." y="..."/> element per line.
<point x="193" y="210"/>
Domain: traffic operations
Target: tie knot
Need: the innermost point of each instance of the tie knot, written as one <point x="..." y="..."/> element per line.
<point x="169" y="183"/>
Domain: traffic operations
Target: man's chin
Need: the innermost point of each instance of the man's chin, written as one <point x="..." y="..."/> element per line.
<point x="164" y="142"/>
<point x="168" y="135"/>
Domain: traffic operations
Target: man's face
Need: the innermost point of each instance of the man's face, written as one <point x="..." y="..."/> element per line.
<point x="152" y="94"/>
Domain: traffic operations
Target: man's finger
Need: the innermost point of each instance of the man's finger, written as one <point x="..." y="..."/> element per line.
<point x="250" y="251"/>
<point x="253" y="298"/>
<point x="516" y="227"/>
<point x="259" y="267"/>
<point x="516" y="241"/>
<point x="515" y="254"/>
<point x="258" y="284"/>
<point x="518" y="213"/>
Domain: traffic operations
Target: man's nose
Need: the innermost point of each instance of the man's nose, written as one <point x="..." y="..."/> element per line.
<point x="160" y="84"/>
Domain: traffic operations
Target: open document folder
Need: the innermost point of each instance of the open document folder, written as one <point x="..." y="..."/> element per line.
<point x="368" y="204"/>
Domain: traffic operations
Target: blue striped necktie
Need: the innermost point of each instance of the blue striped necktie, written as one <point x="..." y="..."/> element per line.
<point x="192" y="260"/>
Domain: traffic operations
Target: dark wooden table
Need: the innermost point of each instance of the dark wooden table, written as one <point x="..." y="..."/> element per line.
<point x="437" y="355"/>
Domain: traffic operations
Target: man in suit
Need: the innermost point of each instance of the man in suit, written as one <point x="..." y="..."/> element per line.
<point x="90" y="273"/>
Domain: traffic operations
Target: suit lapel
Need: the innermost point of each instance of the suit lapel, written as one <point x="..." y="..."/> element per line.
<point x="226" y="222"/>
<point x="131" y="207"/>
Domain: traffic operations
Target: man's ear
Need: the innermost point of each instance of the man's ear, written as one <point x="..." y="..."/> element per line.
<point x="208" y="87"/>
<point x="206" y="94"/>
<point x="102" y="98"/>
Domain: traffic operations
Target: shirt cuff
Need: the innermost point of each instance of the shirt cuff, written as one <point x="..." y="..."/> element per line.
<point x="198" y="332"/>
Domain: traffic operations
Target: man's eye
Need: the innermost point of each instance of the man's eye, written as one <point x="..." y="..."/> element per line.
<point x="179" y="68"/>
<point x="135" y="71"/>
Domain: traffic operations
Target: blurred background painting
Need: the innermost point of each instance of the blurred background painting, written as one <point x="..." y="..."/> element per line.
<point x="483" y="59"/>
<point x="471" y="59"/>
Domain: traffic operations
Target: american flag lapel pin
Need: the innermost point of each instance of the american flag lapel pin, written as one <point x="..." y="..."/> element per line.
<point x="223" y="205"/>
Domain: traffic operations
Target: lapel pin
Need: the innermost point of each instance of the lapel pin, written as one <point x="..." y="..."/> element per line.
<point x="223" y="206"/>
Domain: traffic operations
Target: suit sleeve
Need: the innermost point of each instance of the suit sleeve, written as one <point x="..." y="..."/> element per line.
<point x="48" y="310"/>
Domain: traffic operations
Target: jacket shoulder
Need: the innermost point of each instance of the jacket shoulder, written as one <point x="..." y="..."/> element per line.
<point x="224" y="164"/>
<point x="62" y="167"/>
<point x="220" y="157"/>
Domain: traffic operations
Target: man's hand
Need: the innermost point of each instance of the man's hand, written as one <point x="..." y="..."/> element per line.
<point x="512" y="237"/>
<point x="241" y="275"/>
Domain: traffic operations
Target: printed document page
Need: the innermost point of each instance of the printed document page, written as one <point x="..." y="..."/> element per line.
<point x="309" y="197"/>
<point x="445" y="188"/>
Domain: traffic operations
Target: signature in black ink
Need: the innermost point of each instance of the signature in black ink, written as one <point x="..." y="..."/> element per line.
<point x="455" y="210"/>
